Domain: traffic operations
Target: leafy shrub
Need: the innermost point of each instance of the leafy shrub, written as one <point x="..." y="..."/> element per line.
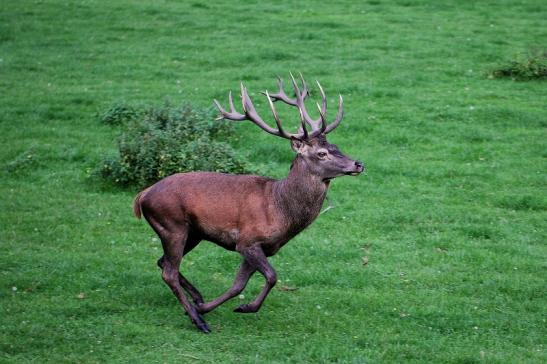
<point x="119" y="113"/>
<point x="530" y="67"/>
<point x="166" y="140"/>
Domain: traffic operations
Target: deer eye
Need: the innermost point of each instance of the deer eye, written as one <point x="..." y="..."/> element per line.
<point x="321" y="154"/>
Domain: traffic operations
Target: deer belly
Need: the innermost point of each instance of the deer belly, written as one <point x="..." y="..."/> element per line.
<point x="226" y="238"/>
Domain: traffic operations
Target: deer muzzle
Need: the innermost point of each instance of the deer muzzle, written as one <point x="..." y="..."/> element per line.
<point x="357" y="168"/>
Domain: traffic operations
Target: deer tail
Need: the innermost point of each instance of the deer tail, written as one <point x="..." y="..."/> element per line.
<point x="137" y="203"/>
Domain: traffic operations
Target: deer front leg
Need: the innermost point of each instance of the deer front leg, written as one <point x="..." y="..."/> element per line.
<point x="243" y="275"/>
<point x="255" y="256"/>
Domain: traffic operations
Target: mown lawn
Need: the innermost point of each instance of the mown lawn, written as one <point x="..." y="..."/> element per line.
<point x="451" y="215"/>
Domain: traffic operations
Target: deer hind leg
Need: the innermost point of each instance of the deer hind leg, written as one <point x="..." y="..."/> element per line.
<point x="243" y="275"/>
<point x="173" y="238"/>
<point x="191" y="243"/>
<point x="170" y="276"/>
<point x="186" y="285"/>
<point x="256" y="258"/>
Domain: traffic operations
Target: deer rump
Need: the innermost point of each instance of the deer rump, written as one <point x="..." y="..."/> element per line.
<point x="252" y="215"/>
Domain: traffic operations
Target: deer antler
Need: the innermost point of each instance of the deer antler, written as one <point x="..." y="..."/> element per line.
<point x="282" y="96"/>
<point x="318" y="126"/>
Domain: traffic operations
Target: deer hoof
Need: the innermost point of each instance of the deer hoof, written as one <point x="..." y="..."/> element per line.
<point x="204" y="328"/>
<point x="201" y="324"/>
<point x="245" y="308"/>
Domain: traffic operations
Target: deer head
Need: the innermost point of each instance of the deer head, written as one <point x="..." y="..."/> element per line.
<point x="323" y="159"/>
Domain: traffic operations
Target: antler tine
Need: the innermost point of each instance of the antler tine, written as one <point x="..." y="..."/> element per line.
<point x="304" y="131"/>
<point x="339" y="116"/>
<point x="249" y="113"/>
<point x="323" y="99"/>
<point x="323" y="121"/>
<point x="306" y="90"/>
<point x="276" y="116"/>
<point x="232" y="114"/>
<point x="231" y="101"/>
<point x="220" y="109"/>
<point x="281" y="95"/>
<point x="252" y="115"/>
<point x="323" y="127"/>
<point x="301" y="104"/>
<point x="295" y="86"/>
<point x="243" y="99"/>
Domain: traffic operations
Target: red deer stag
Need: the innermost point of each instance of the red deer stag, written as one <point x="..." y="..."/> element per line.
<point x="252" y="215"/>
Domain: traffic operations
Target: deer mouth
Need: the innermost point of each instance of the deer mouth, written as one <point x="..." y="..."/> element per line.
<point x="359" y="168"/>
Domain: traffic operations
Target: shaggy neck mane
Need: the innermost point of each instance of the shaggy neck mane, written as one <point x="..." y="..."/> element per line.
<point x="300" y="196"/>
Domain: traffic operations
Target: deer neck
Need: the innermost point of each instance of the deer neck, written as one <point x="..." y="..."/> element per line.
<point x="300" y="196"/>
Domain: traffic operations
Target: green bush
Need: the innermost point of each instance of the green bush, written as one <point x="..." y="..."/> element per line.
<point x="166" y="140"/>
<point x="530" y="67"/>
<point x="119" y="113"/>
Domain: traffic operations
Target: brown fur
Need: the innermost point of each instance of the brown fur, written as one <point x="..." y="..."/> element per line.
<point x="252" y="215"/>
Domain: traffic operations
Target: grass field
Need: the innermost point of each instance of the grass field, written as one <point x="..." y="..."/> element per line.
<point x="451" y="215"/>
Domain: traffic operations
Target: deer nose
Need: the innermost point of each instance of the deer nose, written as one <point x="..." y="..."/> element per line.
<point x="359" y="165"/>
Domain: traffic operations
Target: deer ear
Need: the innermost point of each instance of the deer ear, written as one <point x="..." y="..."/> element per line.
<point x="297" y="145"/>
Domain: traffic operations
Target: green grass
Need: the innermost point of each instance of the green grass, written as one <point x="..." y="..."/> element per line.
<point x="451" y="214"/>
